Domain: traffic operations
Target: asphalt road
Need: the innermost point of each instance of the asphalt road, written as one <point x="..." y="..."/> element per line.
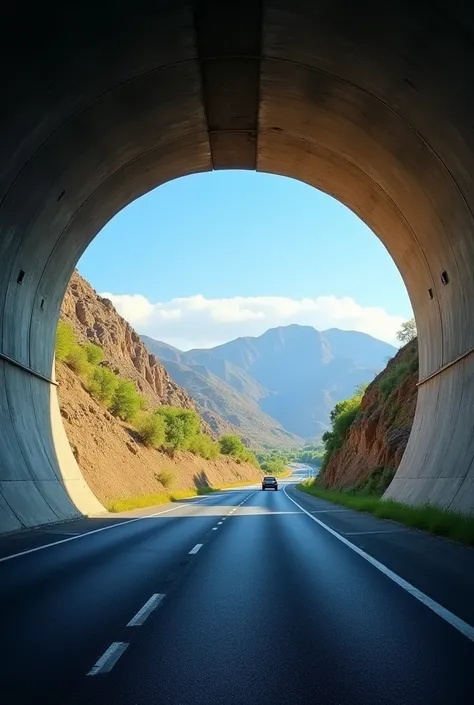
<point x="240" y="597"/>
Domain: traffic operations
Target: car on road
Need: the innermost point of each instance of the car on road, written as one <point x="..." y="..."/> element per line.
<point x="269" y="483"/>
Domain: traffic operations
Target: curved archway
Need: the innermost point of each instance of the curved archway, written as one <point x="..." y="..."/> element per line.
<point x="367" y="105"/>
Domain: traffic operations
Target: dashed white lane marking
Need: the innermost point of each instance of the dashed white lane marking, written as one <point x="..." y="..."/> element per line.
<point x="96" y="531"/>
<point x="108" y="659"/>
<point x="146" y="610"/>
<point x="434" y="606"/>
<point x="215" y="528"/>
<point x="218" y="523"/>
<point x="196" y="548"/>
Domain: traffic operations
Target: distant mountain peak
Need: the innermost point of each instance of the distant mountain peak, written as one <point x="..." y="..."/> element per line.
<point x="285" y="381"/>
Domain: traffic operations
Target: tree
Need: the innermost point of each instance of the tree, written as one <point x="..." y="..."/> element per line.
<point x="65" y="340"/>
<point x="181" y="425"/>
<point x="125" y="400"/>
<point x="151" y="429"/>
<point x="102" y="384"/>
<point x="407" y="331"/>
<point x="231" y="445"/>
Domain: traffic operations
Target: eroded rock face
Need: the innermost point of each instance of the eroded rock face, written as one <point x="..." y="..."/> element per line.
<point x="95" y="319"/>
<point x="379" y="435"/>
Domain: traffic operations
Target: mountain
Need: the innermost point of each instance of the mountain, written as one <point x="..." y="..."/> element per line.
<point x="292" y="374"/>
<point x="230" y="394"/>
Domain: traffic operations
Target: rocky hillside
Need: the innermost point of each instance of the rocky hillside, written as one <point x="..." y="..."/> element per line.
<point x="287" y="380"/>
<point x="114" y="464"/>
<point x="95" y="319"/>
<point x="378" y="436"/>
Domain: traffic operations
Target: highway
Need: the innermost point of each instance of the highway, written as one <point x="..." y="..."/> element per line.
<point x="238" y="597"/>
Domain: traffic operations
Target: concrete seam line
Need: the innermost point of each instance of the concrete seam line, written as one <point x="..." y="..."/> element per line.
<point x="27" y="369"/>
<point x="466" y="629"/>
<point x="445" y="367"/>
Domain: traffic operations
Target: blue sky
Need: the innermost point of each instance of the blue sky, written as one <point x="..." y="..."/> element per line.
<point x="212" y="256"/>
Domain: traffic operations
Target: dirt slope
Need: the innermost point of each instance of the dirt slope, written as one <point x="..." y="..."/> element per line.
<point x="114" y="465"/>
<point x="378" y="436"/>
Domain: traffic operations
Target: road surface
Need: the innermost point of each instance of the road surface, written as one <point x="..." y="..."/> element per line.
<point x="238" y="597"/>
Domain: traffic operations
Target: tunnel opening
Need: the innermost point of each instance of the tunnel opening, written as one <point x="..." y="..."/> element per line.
<point x="365" y="104"/>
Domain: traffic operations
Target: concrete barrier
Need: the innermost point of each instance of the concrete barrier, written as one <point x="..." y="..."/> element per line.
<point x="370" y="103"/>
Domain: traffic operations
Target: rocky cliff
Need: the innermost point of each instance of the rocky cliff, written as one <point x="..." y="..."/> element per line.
<point x="95" y="319"/>
<point x="378" y="436"/>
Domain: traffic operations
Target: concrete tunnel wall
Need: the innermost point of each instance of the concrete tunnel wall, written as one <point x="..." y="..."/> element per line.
<point x="369" y="103"/>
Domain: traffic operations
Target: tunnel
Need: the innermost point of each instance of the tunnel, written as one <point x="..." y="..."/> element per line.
<point x="369" y="102"/>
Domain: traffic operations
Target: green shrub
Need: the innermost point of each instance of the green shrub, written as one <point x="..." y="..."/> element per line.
<point x="393" y="378"/>
<point x="204" y="446"/>
<point x="166" y="478"/>
<point x="342" y="417"/>
<point x="77" y="360"/>
<point x="143" y="401"/>
<point x="376" y="482"/>
<point x="181" y="425"/>
<point x="151" y="430"/>
<point x="275" y="466"/>
<point x="65" y="340"/>
<point x="231" y="445"/>
<point x="102" y="384"/>
<point x="94" y="353"/>
<point x="125" y="400"/>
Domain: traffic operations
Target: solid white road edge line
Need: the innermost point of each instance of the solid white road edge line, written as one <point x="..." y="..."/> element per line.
<point x="146" y="610"/>
<point x="103" y="528"/>
<point x="466" y="629"/>
<point x="108" y="659"/>
<point x="196" y="548"/>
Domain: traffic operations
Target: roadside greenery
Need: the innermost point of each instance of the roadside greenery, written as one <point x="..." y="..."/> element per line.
<point x="165" y="428"/>
<point x="233" y="446"/>
<point x="342" y="416"/>
<point x="311" y="453"/>
<point x="452" y="525"/>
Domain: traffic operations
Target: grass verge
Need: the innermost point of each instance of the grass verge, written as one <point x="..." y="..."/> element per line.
<point x="150" y="500"/>
<point x="434" y="520"/>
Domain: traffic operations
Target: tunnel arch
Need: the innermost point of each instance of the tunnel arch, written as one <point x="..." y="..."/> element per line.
<point x="369" y="104"/>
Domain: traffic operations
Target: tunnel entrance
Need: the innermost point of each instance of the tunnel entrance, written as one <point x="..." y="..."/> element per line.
<point x="366" y="104"/>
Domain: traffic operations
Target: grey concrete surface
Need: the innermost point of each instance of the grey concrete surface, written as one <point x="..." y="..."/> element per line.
<point x="369" y="102"/>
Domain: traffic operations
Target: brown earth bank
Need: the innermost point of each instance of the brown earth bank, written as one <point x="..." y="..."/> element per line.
<point x="378" y="436"/>
<point x="116" y="466"/>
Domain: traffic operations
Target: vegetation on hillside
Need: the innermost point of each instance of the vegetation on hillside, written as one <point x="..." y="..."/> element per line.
<point x="407" y="331"/>
<point x="166" y="428"/>
<point x="342" y="416"/>
<point x="233" y="446"/>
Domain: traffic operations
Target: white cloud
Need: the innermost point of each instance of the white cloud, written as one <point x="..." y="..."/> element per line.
<point x="200" y="322"/>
